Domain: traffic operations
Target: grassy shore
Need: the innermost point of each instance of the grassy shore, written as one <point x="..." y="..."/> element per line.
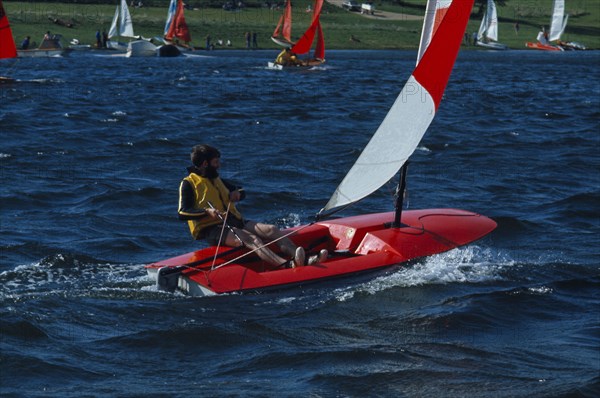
<point x="35" y="18"/>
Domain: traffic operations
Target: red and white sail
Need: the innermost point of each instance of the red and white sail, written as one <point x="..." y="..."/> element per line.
<point x="411" y="114"/>
<point x="304" y="44"/>
<point x="176" y="27"/>
<point x="7" y="42"/>
<point x="283" y="30"/>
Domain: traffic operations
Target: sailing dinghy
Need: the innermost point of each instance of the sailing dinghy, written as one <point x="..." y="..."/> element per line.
<point x="176" y="30"/>
<point x="558" y="24"/>
<point x="121" y="26"/>
<point x="366" y="242"/>
<point x="282" y="36"/>
<point x="487" y="36"/>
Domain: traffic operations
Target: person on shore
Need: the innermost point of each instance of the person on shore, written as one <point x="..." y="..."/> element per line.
<point x="248" y="37"/>
<point x="206" y="202"/>
<point x="25" y="43"/>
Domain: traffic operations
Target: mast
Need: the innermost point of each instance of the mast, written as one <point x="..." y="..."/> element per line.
<point x="400" y="191"/>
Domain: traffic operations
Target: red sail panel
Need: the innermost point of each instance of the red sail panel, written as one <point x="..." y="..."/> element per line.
<point x="320" y="49"/>
<point x="440" y="13"/>
<point x="7" y="43"/>
<point x="284" y="26"/>
<point x="304" y="44"/>
<point x="433" y="71"/>
<point x="179" y="28"/>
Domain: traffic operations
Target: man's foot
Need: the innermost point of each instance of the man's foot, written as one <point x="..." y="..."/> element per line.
<point x="299" y="257"/>
<point x="318" y="258"/>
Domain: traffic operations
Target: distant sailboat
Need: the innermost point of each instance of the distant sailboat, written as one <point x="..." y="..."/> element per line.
<point x="176" y="29"/>
<point x="558" y="24"/>
<point x="487" y="36"/>
<point x="121" y="26"/>
<point x="7" y="42"/>
<point x="282" y="36"/>
<point x="283" y="30"/>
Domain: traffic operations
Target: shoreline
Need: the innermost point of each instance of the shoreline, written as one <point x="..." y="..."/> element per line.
<point x="343" y="30"/>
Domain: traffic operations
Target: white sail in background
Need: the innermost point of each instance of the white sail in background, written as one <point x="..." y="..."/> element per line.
<point x="489" y="23"/>
<point x="113" y="31"/>
<point x="122" y="20"/>
<point x="559" y="20"/>
<point x="411" y="114"/>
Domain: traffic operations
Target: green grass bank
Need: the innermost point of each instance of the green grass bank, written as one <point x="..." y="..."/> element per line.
<point x="35" y="18"/>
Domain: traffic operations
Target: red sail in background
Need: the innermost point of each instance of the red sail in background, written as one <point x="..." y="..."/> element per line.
<point x="320" y="49"/>
<point x="7" y="43"/>
<point x="303" y="45"/>
<point x="284" y="26"/>
<point x="179" y="28"/>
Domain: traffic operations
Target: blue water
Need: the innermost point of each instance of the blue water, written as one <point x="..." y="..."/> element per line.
<point x="93" y="150"/>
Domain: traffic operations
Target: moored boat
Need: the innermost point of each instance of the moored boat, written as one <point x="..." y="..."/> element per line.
<point x="176" y="31"/>
<point x="141" y="48"/>
<point x="487" y="36"/>
<point x="49" y="47"/>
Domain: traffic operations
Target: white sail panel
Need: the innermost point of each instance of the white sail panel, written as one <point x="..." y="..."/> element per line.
<point x="395" y="140"/>
<point x="559" y="21"/>
<point x="492" y="30"/>
<point x="126" y="26"/>
<point x="483" y="27"/>
<point x="113" y="26"/>
<point x="170" y="15"/>
<point x="489" y="23"/>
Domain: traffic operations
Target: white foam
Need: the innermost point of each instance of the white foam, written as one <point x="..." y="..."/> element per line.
<point x="470" y="264"/>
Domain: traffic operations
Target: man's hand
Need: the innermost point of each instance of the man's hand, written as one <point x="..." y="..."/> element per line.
<point x="235" y="196"/>
<point x="214" y="213"/>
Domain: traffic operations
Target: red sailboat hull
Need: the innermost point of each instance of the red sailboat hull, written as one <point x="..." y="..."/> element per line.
<point x="357" y="244"/>
<point x="544" y="47"/>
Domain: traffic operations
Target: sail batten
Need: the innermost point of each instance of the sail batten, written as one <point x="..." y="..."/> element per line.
<point x="413" y="110"/>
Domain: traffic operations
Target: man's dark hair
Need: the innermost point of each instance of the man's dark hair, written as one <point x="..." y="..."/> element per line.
<point x="203" y="152"/>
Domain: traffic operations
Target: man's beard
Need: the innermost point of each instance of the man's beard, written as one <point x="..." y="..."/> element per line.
<point x="211" y="172"/>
